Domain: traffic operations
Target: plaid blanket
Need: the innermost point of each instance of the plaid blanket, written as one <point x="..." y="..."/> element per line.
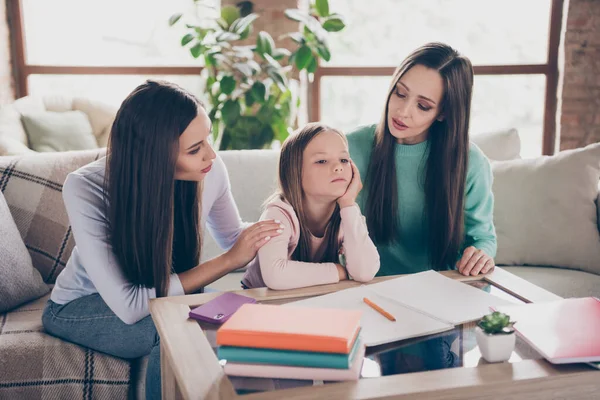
<point x="32" y="187"/>
<point x="33" y="364"/>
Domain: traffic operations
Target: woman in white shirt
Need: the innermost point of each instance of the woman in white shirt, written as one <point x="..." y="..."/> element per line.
<point x="137" y="218"/>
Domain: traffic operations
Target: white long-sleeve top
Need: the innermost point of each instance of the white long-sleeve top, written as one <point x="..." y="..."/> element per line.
<point x="93" y="266"/>
<point x="275" y="269"/>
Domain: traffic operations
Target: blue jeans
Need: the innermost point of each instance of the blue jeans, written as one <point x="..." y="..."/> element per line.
<point x="89" y="322"/>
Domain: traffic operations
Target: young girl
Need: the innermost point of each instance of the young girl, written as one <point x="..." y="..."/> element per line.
<point x="325" y="238"/>
<point x="136" y="218"/>
<point x="428" y="200"/>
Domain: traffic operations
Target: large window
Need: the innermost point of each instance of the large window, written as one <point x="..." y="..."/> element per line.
<point x="104" y="33"/>
<point x="104" y="49"/>
<point x="110" y="89"/>
<point x="382" y="32"/>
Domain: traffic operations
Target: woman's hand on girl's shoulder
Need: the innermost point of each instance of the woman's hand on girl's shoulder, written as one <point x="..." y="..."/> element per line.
<point x="251" y="239"/>
<point x="474" y="261"/>
<point x="353" y="189"/>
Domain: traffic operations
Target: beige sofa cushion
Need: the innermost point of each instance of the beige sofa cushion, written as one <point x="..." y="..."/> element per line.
<point x="59" y="131"/>
<point x="545" y="210"/>
<point x="563" y="282"/>
<point x="100" y="115"/>
<point x="13" y="138"/>
<point x="35" y="365"/>
<point x="499" y="145"/>
<point x="32" y="186"/>
<point x="253" y="177"/>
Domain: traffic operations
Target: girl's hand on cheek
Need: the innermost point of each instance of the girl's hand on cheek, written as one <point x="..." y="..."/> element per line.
<point x="354" y="188"/>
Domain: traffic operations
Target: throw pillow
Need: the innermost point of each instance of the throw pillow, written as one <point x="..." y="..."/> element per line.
<point x="59" y="131"/>
<point x="101" y="117"/>
<point x="32" y="186"/>
<point x="249" y="200"/>
<point x="13" y="139"/>
<point x="500" y="145"/>
<point x="545" y="210"/>
<point x="19" y="281"/>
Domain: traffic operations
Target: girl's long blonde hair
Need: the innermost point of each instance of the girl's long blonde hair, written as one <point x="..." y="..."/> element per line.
<point x="290" y="190"/>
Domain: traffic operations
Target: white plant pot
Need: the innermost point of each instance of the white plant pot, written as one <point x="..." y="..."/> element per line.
<point x="495" y="348"/>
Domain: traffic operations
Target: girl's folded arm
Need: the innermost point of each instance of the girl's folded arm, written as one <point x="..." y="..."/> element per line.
<point x="278" y="271"/>
<point x="362" y="258"/>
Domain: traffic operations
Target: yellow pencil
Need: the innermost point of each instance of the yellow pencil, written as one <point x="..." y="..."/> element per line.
<point x="379" y="309"/>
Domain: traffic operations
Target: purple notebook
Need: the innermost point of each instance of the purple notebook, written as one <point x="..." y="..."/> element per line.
<point x="221" y="308"/>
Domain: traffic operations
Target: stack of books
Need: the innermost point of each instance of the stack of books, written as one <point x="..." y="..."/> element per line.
<point x="270" y="341"/>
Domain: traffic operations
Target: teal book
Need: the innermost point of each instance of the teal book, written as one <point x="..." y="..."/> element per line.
<point x="250" y="355"/>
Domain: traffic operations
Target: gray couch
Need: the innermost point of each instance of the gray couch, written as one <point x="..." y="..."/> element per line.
<point x="36" y="365"/>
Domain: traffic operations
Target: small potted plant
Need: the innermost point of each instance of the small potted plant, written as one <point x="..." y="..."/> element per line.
<point x="495" y="337"/>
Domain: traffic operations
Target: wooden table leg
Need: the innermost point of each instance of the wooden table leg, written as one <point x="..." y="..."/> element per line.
<point x="168" y="381"/>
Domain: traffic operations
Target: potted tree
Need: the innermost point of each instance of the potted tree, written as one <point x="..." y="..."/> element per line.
<point x="251" y="88"/>
<point x="495" y="337"/>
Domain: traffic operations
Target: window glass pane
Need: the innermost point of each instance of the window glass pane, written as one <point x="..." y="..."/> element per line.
<point x="107" y="32"/>
<point x="383" y="32"/>
<point x="499" y="102"/>
<point x="511" y="101"/>
<point x="348" y="102"/>
<point x="109" y="89"/>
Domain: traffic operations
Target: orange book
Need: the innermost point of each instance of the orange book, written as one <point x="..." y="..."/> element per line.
<point x="286" y="328"/>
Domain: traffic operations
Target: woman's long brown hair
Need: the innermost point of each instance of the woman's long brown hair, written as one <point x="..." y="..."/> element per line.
<point x="446" y="165"/>
<point x="290" y="189"/>
<point x="153" y="220"/>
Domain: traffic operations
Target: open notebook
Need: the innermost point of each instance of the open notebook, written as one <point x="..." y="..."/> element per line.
<point x="423" y="304"/>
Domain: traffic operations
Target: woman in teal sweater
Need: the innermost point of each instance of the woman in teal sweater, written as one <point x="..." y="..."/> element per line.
<point x="428" y="199"/>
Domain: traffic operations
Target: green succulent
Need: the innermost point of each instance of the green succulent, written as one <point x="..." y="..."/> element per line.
<point x="496" y="323"/>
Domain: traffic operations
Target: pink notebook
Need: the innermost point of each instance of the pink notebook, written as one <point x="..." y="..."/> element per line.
<point x="221" y="308"/>
<point x="287" y="372"/>
<point x="563" y="331"/>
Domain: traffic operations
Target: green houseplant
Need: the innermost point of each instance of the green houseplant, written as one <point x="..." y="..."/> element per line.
<point x="495" y="337"/>
<point x="251" y="88"/>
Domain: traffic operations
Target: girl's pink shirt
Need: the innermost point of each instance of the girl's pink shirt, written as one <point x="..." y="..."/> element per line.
<point x="274" y="268"/>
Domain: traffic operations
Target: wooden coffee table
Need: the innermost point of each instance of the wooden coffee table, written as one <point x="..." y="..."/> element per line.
<point x="191" y="370"/>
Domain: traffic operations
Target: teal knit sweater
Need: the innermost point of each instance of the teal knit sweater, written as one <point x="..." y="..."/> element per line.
<point x="410" y="253"/>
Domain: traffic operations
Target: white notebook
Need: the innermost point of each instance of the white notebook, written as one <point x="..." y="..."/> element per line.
<point x="423" y="304"/>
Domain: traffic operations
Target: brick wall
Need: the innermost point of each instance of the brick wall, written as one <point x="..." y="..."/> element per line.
<point x="7" y="88"/>
<point x="580" y="111"/>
